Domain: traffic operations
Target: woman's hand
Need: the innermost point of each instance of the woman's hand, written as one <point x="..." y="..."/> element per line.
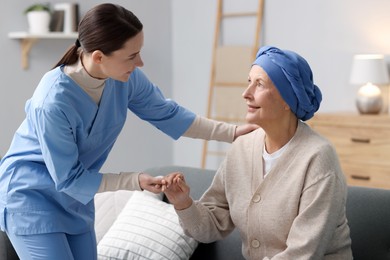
<point x="244" y="129"/>
<point x="150" y="183"/>
<point x="176" y="190"/>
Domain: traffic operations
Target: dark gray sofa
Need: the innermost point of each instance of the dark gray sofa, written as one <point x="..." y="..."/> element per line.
<point x="368" y="212"/>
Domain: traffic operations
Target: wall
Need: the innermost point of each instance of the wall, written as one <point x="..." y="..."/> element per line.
<point x="327" y="33"/>
<point x="136" y="147"/>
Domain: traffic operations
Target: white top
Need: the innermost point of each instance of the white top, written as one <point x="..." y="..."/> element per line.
<point x="270" y="159"/>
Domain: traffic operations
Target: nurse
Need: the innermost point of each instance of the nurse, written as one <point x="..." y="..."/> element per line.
<point x="51" y="172"/>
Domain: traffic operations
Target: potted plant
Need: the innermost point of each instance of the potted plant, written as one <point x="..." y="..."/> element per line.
<point x="38" y="18"/>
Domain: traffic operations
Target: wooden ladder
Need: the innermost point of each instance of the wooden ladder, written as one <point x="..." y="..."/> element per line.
<point x="229" y="70"/>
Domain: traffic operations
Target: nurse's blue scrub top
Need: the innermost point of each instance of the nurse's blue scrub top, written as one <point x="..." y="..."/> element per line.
<point x="50" y="174"/>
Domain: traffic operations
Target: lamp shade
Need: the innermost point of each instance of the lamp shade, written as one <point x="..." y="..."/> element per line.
<point x="369" y="68"/>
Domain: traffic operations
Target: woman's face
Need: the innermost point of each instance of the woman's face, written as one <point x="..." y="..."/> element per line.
<point x="121" y="63"/>
<point x="265" y="104"/>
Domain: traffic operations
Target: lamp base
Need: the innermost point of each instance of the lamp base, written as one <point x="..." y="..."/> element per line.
<point x="369" y="99"/>
<point x="369" y="105"/>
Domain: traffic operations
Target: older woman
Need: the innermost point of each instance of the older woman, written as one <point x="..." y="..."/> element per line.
<point x="281" y="186"/>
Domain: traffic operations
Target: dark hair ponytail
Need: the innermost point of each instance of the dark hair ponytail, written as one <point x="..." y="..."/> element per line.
<point x="105" y="27"/>
<point x="70" y="57"/>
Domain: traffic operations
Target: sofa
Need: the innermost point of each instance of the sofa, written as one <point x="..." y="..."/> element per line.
<point x="368" y="213"/>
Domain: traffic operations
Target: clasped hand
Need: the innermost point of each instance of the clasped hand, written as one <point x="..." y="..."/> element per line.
<point x="173" y="185"/>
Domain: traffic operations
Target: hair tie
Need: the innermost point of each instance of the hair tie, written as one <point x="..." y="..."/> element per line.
<point x="77" y="43"/>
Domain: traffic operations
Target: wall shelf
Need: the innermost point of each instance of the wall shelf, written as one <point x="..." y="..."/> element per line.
<point x="27" y="40"/>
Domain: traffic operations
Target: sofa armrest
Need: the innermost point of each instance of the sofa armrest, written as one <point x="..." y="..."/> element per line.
<point x="368" y="214"/>
<point x="7" y="252"/>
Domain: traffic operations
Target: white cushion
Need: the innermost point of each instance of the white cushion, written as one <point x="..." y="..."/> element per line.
<point x="147" y="228"/>
<point x="108" y="205"/>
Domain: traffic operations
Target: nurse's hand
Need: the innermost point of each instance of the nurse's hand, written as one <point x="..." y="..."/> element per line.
<point x="177" y="190"/>
<point x="244" y="129"/>
<point x="150" y="183"/>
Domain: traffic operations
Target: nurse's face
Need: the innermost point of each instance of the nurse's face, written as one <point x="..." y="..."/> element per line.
<point x="265" y="104"/>
<point x="121" y="63"/>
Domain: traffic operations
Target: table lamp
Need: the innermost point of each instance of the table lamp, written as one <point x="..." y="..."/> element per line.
<point x="368" y="71"/>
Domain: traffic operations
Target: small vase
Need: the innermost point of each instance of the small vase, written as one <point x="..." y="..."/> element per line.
<point x="38" y="22"/>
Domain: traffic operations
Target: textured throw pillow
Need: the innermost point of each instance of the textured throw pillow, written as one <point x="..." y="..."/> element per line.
<point x="147" y="228"/>
<point x="108" y="206"/>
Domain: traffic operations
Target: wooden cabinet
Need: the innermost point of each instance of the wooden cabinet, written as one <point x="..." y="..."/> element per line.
<point x="362" y="143"/>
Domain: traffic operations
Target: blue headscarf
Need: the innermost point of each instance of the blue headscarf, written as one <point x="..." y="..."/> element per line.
<point x="292" y="76"/>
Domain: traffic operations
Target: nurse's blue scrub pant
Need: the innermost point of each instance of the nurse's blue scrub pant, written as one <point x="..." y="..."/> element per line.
<point x="58" y="246"/>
